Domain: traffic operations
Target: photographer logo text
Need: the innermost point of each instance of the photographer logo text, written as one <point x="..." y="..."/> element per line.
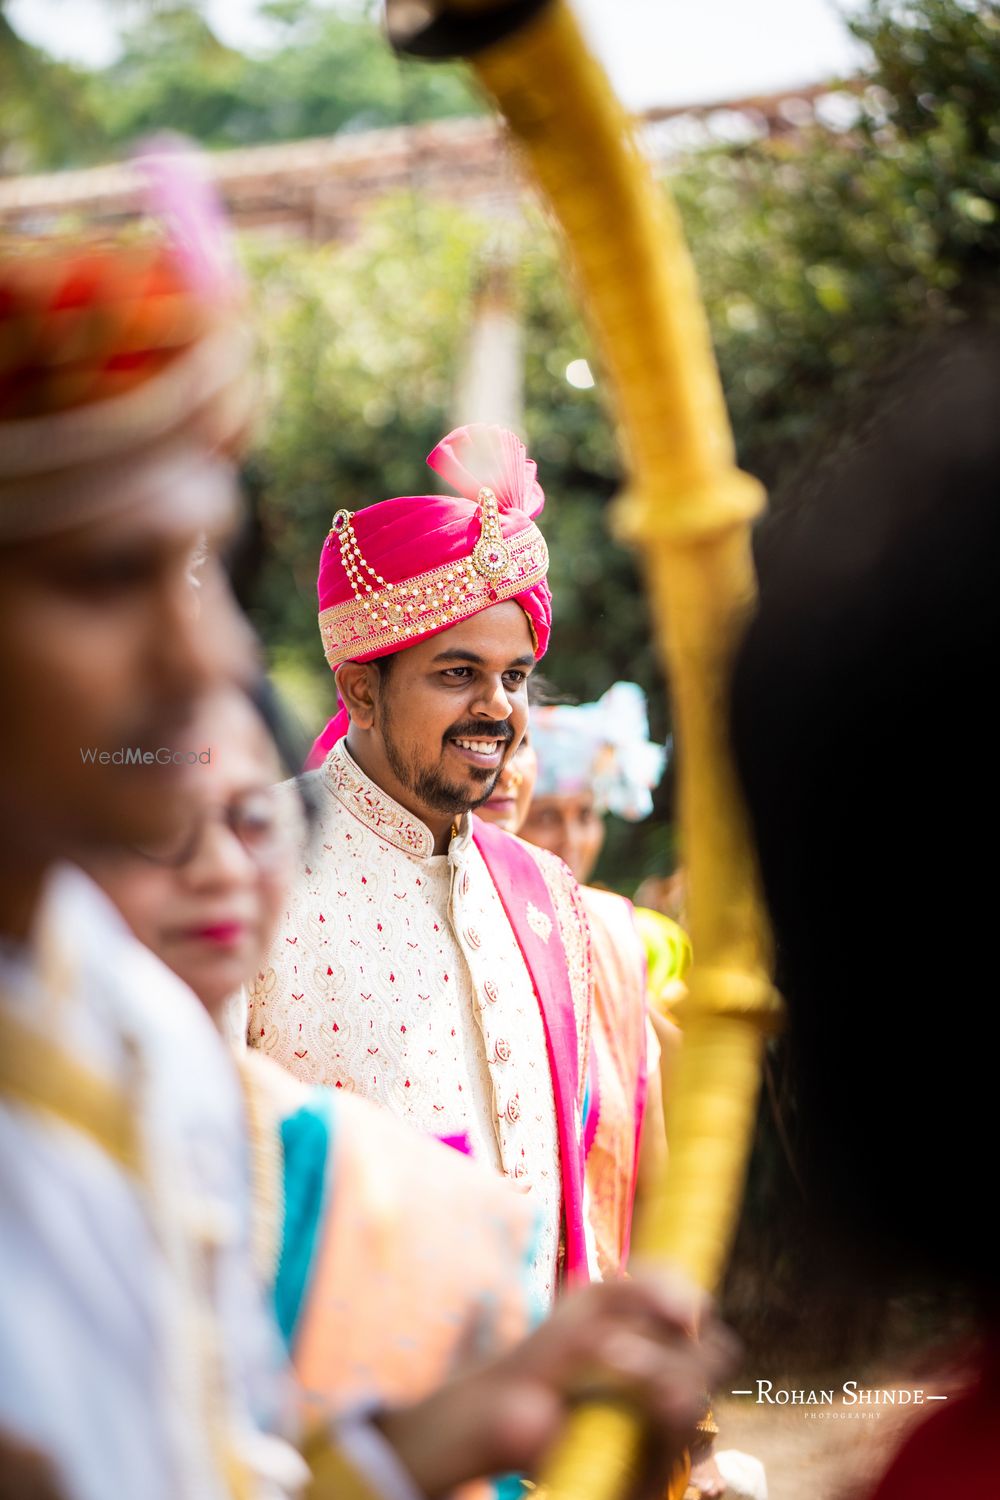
<point x="851" y="1393"/>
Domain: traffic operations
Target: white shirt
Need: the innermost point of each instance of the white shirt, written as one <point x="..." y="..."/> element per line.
<point x="134" y="1346"/>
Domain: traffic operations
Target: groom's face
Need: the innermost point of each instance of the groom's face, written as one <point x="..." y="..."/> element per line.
<point x="452" y="710"/>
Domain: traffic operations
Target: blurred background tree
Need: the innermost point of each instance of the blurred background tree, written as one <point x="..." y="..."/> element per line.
<point x="45" y="114"/>
<point x="821" y="253"/>
<point x="328" y="70"/>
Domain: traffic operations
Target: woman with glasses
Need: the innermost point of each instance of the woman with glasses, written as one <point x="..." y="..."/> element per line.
<point x="205" y="899"/>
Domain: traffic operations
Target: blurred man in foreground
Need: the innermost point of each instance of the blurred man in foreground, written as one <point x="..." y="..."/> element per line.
<point x="121" y="390"/>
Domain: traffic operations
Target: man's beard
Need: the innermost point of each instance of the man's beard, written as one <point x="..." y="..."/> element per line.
<point x="431" y="786"/>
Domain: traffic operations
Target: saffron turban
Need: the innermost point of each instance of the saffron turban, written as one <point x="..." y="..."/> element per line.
<point x="405" y="569"/>
<point x="123" y="365"/>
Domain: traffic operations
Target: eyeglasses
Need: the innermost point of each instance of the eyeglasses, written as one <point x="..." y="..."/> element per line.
<point x="267" y="822"/>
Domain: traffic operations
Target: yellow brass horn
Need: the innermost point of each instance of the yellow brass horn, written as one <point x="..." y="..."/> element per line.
<point x="688" y="510"/>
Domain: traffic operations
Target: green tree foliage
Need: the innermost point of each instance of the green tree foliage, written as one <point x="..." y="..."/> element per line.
<point x="45" y="111"/>
<point x="330" y="71"/>
<point x="818" y="253"/>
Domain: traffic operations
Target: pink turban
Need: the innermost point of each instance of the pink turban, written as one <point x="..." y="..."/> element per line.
<point x="403" y="570"/>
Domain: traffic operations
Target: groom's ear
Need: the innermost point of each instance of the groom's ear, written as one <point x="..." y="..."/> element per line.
<point x="358" y="687"/>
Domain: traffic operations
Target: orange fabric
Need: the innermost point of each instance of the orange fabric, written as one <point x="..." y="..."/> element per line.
<point x="422" y="1264"/>
<point x="618" y="1039"/>
<point x="678" y="1487"/>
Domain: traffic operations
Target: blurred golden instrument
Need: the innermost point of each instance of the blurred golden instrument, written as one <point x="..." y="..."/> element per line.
<point x="687" y="509"/>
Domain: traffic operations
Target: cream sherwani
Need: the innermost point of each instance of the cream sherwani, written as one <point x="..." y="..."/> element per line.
<point x="396" y="974"/>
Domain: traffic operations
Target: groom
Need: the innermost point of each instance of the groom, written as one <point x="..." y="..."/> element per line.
<point x="428" y="960"/>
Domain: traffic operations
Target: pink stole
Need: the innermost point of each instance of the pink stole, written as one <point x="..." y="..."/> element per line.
<point x="521" y="885"/>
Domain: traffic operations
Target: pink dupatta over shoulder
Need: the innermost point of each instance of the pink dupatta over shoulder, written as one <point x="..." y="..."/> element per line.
<point x="520" y="886"/>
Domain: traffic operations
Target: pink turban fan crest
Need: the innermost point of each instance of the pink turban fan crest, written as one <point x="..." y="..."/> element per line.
<point x="413" y="535"/>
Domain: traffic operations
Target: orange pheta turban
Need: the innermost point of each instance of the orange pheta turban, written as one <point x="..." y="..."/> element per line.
<point x="119" y="360"/>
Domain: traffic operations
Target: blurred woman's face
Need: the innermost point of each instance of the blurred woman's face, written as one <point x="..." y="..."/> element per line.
<point x="570" y="826"/>
<point x="208" y="902"/>
<point x="508" y="805"/>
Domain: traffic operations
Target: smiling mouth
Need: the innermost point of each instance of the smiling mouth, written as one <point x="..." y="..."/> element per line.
<point x="487" y="753"/>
